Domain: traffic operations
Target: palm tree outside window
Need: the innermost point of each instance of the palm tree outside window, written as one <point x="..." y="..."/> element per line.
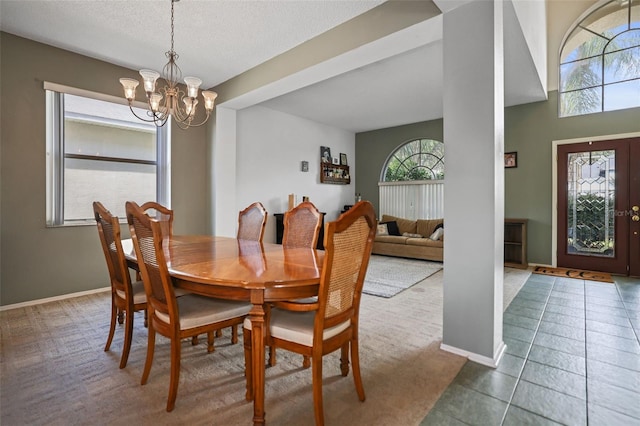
<point x="600" y="61"/>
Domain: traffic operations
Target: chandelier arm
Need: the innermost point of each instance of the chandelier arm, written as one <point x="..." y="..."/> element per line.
<point x="159" y="121"/>
<point x="203" y="122"/>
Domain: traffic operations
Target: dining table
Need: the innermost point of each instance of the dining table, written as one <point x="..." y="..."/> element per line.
<point x="235" y="269"/>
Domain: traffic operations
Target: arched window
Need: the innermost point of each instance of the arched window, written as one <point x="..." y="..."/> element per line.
<point x="420" y="159"/>
<point x="600" y="61"/>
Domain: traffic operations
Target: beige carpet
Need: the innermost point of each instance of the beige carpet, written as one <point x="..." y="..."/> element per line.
<point x="53" y="369"/>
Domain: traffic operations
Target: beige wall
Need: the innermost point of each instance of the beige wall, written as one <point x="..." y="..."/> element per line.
<point x="38" y="262"/>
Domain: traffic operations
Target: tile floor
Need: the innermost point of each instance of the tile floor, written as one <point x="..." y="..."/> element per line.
<point x="573" y="358"/>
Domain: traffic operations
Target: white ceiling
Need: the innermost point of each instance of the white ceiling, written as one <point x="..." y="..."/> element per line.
<point x="217" y="40"/>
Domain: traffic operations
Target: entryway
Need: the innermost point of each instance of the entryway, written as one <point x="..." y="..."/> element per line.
<point x="598" y="202"/>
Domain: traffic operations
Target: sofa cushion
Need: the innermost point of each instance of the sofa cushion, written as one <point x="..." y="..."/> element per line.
<point x="427" y="242"/>
<point x="426" y="227"/>
<point x="392" y="227"/>
<point x="391" y="239"/>
<point x="404" y="225"/>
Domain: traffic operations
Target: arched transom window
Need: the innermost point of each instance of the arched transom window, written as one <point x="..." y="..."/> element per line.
<point x="419" y="159"/>
<point x="600" y="61"/>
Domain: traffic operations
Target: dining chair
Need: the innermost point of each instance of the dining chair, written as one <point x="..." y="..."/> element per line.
<point x="317" y="329"/>
<point x="173" y="317"/>
<point x="251" y="222"/>
<point x="302" y="226"/>
<point x="301" y="230"/>
<point x="162" y="214"/>
<point x="127" y="297"/>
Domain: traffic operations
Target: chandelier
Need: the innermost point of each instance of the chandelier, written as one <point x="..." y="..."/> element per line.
<point x="165" y="101"/>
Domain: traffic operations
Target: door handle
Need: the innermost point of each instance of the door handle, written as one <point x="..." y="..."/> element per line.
<point x="635" y="217"/>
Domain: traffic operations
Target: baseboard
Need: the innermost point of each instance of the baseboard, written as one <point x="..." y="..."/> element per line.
<point x="53" y="299"/>
<point x="480" y="359"/>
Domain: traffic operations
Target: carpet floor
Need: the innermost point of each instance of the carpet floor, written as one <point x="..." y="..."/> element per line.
<point x="53" y="370"/>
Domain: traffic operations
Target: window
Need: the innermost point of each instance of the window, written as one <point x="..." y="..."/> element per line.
<point x="98" y="151"/>
<point x="413" y="181"/>
<point x="420" y="159"/>
<point x="600" y="61"/>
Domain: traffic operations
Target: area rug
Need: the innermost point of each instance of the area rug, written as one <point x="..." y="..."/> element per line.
<point x="574" y="273"/>
<point x="388" y="276"/>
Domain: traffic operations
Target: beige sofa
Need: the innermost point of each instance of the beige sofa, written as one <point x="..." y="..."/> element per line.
<point x="417" y="247"/>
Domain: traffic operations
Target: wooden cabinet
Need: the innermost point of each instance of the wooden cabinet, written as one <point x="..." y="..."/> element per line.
<point x="515" y="243"/>
<point x="280" y="230"/>
<point x="334" y="173"/>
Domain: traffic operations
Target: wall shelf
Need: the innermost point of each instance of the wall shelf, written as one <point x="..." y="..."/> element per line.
<point x="334" y="173"/>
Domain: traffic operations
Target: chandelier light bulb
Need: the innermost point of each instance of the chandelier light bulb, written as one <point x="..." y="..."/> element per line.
<point x="190" y="105"/>
<point x="149" y="78"/>
<point x="193" y="83"/>
<point x="155" y="100"/>
<point x="129" y="85"/>
<point x="209" y="99"/>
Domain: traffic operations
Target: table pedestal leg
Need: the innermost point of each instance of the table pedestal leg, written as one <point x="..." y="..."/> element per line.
<point x="258" y="359"/>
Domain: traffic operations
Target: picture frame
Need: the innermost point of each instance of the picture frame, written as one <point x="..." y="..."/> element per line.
<point x="343" y="159"/>
<point x="510" y="160"/>
<point x="336" y="161"/>
<point x="325" y="154"/>
<point x="304" y="166"/>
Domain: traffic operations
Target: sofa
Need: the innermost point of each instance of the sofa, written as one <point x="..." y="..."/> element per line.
<point x="417" y="239"/>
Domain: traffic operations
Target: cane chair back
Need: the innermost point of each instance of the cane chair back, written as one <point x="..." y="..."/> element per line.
<point x="175" y="318"/>
<point x="162" y="214"/>
<point x="302" y="226"/>
<point x="251" y="222"/>
<point x="126" y="297"/>
<point x="317" y="329"/>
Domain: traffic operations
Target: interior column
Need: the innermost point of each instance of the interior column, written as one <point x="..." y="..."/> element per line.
<point x="474" y="187"/>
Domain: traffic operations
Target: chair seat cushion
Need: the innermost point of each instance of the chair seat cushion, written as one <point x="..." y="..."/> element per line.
<point x="297" y="327"/>
<point x="139" y="296"/>
<point x="199" y="310"/>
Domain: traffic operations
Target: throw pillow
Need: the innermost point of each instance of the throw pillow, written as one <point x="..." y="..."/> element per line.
<point x="393" y="228"/>
<point x="437" y="234"/>
<point x="438" y="226"/>
<point x="382" y="229"/>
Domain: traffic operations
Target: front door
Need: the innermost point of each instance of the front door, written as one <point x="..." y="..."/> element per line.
<point x="599" y="206"/>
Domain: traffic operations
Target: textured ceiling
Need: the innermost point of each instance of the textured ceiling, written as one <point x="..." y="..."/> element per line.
<point x="219" y="39"/>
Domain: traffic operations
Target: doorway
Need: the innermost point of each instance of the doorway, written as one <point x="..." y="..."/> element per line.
<point x="598" y="199"/>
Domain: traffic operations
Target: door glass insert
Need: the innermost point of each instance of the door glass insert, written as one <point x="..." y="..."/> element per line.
<point x="591" y="203"/>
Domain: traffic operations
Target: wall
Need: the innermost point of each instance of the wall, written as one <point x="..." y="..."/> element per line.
<point x="270" y="148"/>
<point x="529" y="130"/>
<point x="39" y="262"/>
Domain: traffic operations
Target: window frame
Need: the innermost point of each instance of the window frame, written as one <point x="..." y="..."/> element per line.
<point x="607" y="39"/>
<point x="383" y="174"/>
<point x="55" y="148"/>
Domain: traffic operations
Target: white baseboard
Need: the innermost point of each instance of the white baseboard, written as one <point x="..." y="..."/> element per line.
<point x="53" y="299"/>
<point x="480" y="359"/>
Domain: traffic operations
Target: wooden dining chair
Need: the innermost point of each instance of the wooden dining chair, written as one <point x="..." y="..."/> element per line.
<point x="126" y="297"/>
<point x="317" y="329"/>
<point x="251" y="222"/>
<point x="162" y="214"/>
<point x="174" y="317"/>
<point x="302" y="226"/>
<point x="301" y="230"/>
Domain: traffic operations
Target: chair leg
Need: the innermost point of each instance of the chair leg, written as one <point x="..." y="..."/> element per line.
<point x="219" y="333"/>
<point x="317" y="389"/>
<point x="248" y="364"/>
<point x="272" y="356"/>
<point x="175" y="373"/>
<point x="210" y="347"/>
<point x="194" y="340"/>
<point x="344" y="359"/>
<point x="146" y="318"/>
<point x="355" y="360"/>
<point x="120" y="316"/>
<point x="128" y="333"/>
<point x="112" y="326"/>
<point x="151" y="344"/>
<point x="306" y="361"/>
<point x="234" y="334"/>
